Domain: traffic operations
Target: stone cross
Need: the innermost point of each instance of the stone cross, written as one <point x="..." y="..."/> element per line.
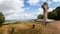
<point x="45" y="11"/>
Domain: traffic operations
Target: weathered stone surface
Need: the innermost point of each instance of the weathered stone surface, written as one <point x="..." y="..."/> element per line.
<point x="45" y="11"/>
<point x="48" y="20"/>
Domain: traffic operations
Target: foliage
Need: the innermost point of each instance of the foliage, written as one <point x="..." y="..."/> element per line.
<point x="2" y="18"/>
<point x="40" y="16"/>
<point x="57" y="10"/>
<point x="52" y="15"/>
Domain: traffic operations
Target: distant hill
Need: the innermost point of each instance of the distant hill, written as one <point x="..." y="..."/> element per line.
<point x="11" y="21"/>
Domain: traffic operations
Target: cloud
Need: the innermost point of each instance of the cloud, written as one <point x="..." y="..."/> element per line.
<point x="33" y="2"/>
<point x="28" y="16"/>
<point x="19" y="16"/>
<point x="12" y="8"/>
<point x="50" y="9"/>
<point x="49" y="2"/>
<point x="43" y="0"/>
<point x="40" y="11"/>
<point x="11" y="4"/>
<point x="56" y="0"/>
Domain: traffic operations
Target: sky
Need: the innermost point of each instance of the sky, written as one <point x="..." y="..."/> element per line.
<point x="25" y="9"/>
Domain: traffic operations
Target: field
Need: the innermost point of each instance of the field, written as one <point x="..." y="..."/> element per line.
<point x="27" y="28"/>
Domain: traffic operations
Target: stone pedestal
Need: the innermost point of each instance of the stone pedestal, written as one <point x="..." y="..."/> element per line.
<point x="48" y="20"/>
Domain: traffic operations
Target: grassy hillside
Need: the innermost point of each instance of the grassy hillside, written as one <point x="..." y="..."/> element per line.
<point x="26" y="28"/>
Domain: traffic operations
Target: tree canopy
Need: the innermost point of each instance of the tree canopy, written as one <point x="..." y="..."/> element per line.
<point x="2" y="18"/>
<point x="40" y="16"/>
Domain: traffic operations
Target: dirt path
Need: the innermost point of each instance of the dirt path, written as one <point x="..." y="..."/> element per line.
<point x="6" y="31"/>
<point x="56" y="24"/>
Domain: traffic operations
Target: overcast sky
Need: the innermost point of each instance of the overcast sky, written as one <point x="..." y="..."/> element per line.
<point x="25" y="9"/>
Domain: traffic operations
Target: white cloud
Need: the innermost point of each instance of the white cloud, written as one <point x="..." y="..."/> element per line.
<point x="40" y="11"/>
<point x="33" y="2"/>
<point x="43" y="0"/>
<point x="50" y="9"/>
<point x="14" y="14"/>
<point x="12" y="8"/>
<point x="49" y="2"/>
<point x="27" y="16"/>
<point x="56" y="0"/>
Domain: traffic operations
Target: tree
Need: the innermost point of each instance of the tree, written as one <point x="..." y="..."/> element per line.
<point x="2" y="18"/>
<point x="52" y="15"/>
<point x="55" y="14"/>
<point x="57" y="10"/>
<point x="40" y="16"/>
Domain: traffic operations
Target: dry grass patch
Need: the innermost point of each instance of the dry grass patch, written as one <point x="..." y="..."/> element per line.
<point x="26" y="28"/>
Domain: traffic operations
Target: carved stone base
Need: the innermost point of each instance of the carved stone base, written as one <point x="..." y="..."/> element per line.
<point x="48" y="20"/>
